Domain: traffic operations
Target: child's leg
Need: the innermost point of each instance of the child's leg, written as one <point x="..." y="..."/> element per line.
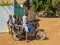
<point x="20" y="28"/>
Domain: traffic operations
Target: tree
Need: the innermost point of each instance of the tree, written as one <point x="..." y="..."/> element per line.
<point x="56" y="4"/>
<point x="39" y="5"/>
<point x="27" y="4"/>
<point x="46" y="5"/>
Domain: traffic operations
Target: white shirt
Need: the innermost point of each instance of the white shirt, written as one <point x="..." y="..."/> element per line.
<point x="24" y="19"/>
<point x="14" y="20"/>
<point x="24" y="23"/>
<point x="10" y="22"/>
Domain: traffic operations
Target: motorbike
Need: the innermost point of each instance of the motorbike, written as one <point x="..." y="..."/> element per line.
<point x="37" y="34"/>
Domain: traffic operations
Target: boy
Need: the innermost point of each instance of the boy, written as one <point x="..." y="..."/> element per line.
<point x="10" y="23"/>
<point x="14" y="19"/>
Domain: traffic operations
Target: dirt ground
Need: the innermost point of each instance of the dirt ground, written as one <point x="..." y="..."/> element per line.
<point x="50" y="25"/>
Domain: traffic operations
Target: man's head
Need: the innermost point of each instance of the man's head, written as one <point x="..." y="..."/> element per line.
<point x="26" y="13"/>
<point x="10" y="16"/>
<point x="17" y="17"/>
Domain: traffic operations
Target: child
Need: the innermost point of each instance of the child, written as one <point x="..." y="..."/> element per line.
<point x="10" y="23"/>
<point x="18" y="24"/>
<point x="14" y="19"/>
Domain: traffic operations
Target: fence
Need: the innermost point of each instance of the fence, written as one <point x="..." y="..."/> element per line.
<point x="6" y="2"/>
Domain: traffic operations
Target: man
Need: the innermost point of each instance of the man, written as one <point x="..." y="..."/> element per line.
<point x="25" y="25"/>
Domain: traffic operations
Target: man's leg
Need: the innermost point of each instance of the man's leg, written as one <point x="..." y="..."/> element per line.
<point x="26" y="29"/>
<point x="27" y="36"/>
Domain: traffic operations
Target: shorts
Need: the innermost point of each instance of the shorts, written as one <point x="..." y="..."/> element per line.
<point x="29" y="27"/>
<point x="24" y="26"/>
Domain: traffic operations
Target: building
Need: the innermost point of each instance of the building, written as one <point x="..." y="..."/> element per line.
<point x="7" y="10"/>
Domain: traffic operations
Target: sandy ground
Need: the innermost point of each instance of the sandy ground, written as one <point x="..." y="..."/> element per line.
<point x="50" y="25"/>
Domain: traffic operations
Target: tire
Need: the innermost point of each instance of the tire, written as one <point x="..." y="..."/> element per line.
<point x="14" y="36"/>
<point x="40" y="35"/>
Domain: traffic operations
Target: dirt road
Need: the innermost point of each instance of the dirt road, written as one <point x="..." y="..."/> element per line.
<point x="50" y="25"/>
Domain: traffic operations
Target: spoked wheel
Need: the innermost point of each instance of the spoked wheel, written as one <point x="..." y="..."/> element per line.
<point x="14" y="36"/>
<point x="41" y="35"/>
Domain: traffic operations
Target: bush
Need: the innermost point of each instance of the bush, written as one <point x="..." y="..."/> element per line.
<point x="58" y="13"/>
